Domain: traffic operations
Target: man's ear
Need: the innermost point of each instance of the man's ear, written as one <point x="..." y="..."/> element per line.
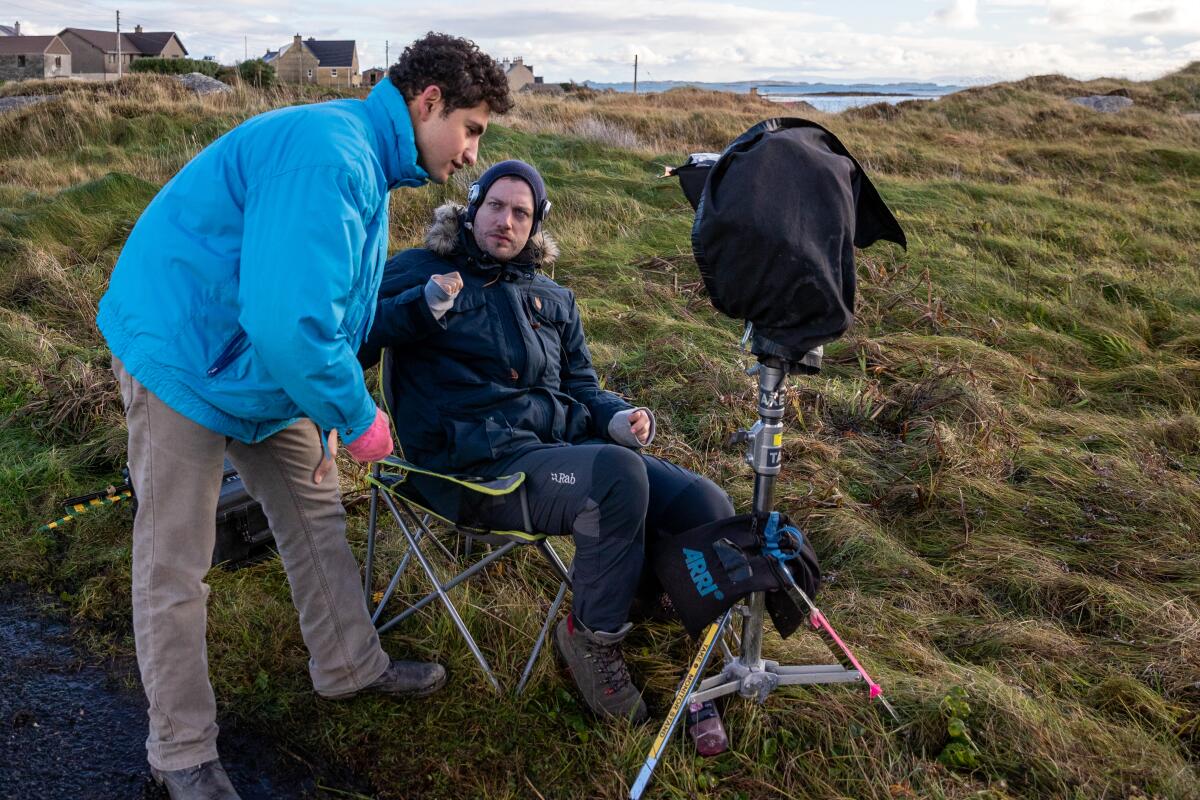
<point x="428" y="102"/>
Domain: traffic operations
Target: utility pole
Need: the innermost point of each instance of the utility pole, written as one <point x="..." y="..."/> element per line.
<point x="118" y="45"/>
<point x="635" y="73"/>
<point x="245" y="48"/>
<point x="386" y="55"/>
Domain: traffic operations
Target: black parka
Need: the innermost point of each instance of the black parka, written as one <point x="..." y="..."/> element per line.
<point x="504" y="371"/>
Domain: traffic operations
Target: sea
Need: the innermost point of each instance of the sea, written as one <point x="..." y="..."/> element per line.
<point x="827" y="97"/>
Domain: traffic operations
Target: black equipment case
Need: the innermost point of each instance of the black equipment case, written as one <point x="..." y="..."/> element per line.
<point x="243" y="534"/>
<point x="242" y="531"/>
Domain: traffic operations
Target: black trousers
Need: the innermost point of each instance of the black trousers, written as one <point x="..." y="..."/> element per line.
<point x="610" y="499"/>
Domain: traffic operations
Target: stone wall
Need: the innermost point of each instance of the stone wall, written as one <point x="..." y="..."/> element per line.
<point x="11" y="68"/>
<point x="294" y="66"/>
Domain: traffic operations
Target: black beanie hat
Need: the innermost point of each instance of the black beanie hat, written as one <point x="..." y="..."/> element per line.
<point x="510" y="169"/>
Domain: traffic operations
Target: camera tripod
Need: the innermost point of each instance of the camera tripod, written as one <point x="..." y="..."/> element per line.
<point x="746" y="672"/>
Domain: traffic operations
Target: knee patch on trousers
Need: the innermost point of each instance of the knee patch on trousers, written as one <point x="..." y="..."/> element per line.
<point x="619" y="494"/>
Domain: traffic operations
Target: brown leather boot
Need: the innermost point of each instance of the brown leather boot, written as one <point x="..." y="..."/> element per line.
<point x="595" y="661"/>
<point x="206" y="781"/>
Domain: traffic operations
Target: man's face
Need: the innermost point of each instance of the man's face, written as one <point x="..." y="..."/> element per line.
<point x="446" y="143"/>
<point x="504" y="219"/>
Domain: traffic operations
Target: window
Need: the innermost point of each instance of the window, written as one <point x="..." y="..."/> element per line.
<point x="333" y="72"/>
<point x="20" y="61"/>
<point x="310" y="74"/>
<point x="57" y="61"/>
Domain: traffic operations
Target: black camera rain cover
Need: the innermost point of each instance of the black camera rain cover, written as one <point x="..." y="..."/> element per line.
<point x="777" y="221"/>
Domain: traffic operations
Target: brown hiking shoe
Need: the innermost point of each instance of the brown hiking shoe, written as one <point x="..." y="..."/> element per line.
<point x="595" y="661"/>
<point x="206" y="781"/>
<point x="403" y="678"/>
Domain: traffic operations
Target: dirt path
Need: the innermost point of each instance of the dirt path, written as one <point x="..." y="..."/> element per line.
<point x="69" y="728"/>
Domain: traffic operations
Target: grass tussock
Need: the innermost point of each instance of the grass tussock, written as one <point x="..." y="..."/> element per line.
<point x="998" y="464"/>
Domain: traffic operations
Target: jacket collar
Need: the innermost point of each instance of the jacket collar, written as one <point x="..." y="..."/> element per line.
<point x="396" y="142"/>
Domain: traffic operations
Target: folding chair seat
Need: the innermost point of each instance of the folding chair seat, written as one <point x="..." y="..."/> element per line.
<point x="416" y="497"/>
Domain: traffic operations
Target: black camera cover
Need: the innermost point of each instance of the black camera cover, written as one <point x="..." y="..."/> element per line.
<point x="778" y="215"/>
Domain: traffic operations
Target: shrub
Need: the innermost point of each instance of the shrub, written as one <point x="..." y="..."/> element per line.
<point x="257" y="73"/>
<point x="175" y="66"/>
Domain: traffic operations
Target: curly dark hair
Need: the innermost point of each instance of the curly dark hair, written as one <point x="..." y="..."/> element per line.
<point x="466" y="75"/>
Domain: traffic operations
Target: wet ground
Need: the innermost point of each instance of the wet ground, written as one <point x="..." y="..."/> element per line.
<point x="70" y="726"/>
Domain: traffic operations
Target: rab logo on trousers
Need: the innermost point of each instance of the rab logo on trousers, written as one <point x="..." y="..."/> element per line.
<point x="703" y="579"/>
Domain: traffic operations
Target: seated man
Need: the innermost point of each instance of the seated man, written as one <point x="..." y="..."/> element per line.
<point x="490" y="375"/>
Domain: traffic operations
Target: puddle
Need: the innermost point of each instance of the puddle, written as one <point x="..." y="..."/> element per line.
<point x="70" y="728"/>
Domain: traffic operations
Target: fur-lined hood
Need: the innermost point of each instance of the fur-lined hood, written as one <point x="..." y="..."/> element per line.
<point x="442" y="238"/>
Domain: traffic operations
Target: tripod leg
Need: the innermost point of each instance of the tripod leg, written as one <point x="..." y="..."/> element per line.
<point x="708" y="644"/>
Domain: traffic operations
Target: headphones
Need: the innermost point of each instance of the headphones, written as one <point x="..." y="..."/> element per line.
<point x="473" y="197"/>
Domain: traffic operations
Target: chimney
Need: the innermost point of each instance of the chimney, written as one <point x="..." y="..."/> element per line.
<point x="137" y="28"/>
<point x="17" y="28"/>
<point x="296" y="40"/>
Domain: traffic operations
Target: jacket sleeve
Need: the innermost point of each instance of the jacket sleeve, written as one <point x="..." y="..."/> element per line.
<point x="302" y="249"/>
<point x="402" y="315"/>
<point x="579" y="377"/>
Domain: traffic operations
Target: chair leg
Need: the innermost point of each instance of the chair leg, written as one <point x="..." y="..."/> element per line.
<point x="560" y="569"/>
<point x="447" y="586"/>
<point x="395" y="581"/>
<point x="368" y="570"/>
<point x="423" y="524"/>
<point x="541" y="639"/>
<point x="555" y="561"/>
<point x="458" y="621"/>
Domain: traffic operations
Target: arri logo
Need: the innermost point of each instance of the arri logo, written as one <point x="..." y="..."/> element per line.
<point x="703" y="579"/>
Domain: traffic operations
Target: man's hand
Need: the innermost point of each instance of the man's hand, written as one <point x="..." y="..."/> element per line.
<point x="639" y="424"/>
<point x="451" y="283"/>
<point x="326" y="463"/>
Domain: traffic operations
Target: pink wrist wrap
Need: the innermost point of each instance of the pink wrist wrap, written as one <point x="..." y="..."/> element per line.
<point x="376" y="443"/>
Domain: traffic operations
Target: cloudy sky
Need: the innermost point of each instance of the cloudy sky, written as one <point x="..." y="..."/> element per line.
<point x="689" y="40"/>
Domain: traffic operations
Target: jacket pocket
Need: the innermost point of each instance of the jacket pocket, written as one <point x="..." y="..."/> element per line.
<point x="239" y="344"/>
<point x="474" y="441"/>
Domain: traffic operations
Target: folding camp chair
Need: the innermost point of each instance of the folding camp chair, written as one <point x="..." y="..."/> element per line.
<point x="416" y="498"/>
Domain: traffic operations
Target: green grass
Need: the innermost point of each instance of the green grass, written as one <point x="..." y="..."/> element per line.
<point x="997" y="466"/>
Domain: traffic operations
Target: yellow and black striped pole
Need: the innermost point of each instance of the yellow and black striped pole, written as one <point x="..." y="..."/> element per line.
<point x="81" y="508"/>
<point x="686" y="687"/>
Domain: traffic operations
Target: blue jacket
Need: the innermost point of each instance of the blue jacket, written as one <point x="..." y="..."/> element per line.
<point x="505" y="371"/>
<point x="246" y="287"/>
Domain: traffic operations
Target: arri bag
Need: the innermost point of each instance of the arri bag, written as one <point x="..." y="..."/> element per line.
<point x="708" y="569"/>
<point x="778" y="215"/>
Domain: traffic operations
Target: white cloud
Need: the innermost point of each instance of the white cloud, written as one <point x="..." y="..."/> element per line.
<point x="959" y="14"/>
<point x="715" y="40"/>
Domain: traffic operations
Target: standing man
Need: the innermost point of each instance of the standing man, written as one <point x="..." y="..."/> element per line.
<point x="234" y="314"/>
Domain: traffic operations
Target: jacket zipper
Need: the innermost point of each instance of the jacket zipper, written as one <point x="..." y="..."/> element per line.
<point x="231" y="351"/>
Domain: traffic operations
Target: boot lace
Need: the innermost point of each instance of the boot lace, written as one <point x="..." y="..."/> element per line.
<point x="611" y="665"/>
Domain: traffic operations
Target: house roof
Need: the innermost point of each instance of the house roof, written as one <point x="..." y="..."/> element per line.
<point x="8" y="30"/>
<point x="332" y="52"/>
<point x="144" y="44"/>
<point x="24" y="45"/>
<point x="152" y="42"/>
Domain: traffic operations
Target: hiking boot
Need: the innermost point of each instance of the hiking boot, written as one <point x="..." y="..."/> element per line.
<point x="595" y="661"/>
<point x="403" y="679"/>
<point x="206" y="781"/>
<point x="652" y="608"/>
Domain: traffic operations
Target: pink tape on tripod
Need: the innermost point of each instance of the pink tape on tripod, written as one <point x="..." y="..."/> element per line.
<point x="818" y="621"/>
